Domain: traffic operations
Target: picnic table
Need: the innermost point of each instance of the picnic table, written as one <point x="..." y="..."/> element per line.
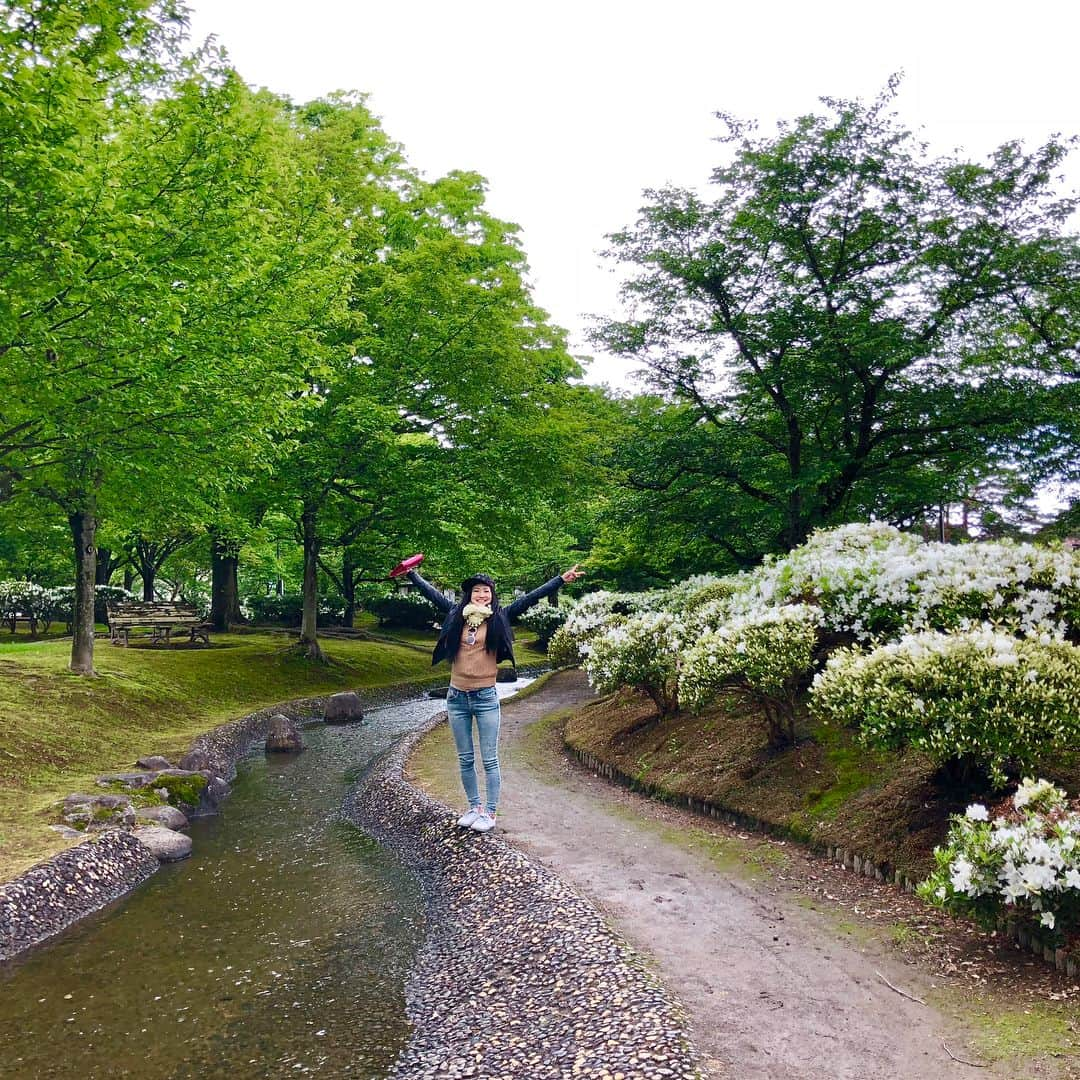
<point x="161" y="616"/>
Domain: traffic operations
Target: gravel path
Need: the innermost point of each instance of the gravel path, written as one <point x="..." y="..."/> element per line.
<point x="518" y="975"/>
<point x="773" y="988"/>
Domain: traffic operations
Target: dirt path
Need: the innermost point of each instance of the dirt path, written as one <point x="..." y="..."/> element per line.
<point x="773" y="988"/>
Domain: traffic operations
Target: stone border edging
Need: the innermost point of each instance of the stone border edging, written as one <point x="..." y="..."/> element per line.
<point x="53" y="895"/>
<point x="1065" y="962"/>
<point x="56" y="893"/>
<point x="518" y="974"/>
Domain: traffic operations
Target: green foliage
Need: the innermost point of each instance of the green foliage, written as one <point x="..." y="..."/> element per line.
<point x="976" y="700"/>
<point x="562" y="649"/>
<point x="767" y="658"/>
<point x="406" y="611"/>
<point x="837" y="333"/>
<point x="286" y="610"/>
<point x="183" y="791"/>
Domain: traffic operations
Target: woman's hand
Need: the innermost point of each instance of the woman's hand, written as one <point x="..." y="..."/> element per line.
<point x="573" y="573"/>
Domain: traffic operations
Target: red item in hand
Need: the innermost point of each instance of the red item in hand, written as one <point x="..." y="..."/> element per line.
<point x="411" y="563"/>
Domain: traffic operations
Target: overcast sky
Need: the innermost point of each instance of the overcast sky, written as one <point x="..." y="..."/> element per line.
<point x="570" y="110"/>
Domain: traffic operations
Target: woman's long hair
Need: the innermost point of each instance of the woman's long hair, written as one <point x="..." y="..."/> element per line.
<point x="456" y="617"/>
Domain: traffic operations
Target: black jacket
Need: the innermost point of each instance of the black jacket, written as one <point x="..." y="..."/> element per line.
<point x="500" y="638"/>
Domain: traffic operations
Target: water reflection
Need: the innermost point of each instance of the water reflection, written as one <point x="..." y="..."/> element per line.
<point x="281" y="947"/>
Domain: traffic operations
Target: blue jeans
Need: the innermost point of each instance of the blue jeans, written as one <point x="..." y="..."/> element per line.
<point x="462" y="707"/>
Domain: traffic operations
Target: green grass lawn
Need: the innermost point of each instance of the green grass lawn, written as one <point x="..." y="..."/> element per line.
<point x="58" y="730"/>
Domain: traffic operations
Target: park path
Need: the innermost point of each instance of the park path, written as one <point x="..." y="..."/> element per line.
<point x="773" y="988"/>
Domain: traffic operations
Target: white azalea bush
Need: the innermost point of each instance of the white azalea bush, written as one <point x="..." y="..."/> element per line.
<point x="641" y="651"/>
<point x="765" y="658"/>
<point x="974" y="699"/>
<point x="24" y="599"/>
<point x="1026" y="860"/>
<point x="544" y="619"/>
<point x="875" y="582"/>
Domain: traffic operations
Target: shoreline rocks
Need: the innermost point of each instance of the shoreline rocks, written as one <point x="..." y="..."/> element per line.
<point x="345" y="708"/>
<point x="518" y="974"/>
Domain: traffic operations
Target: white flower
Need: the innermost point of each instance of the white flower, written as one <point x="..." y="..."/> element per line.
<point x="977" y="812"/>
<point x="1047" y="919"/>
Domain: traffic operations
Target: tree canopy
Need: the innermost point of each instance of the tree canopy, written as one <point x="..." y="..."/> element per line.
<point x="849" y="327"/>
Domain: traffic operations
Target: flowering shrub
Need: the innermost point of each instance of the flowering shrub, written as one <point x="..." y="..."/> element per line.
<point x="24" y="599"/>
<point x="641" y="651"/>
<point x="562" y="650"/>
<point x="975" y="698"/>
<point x="545" y="619"/>
<point x="873" y="581"/>
<point x="719" y="589"/>
<point x="1026" y="859"/>
<point x="765" y="657"/>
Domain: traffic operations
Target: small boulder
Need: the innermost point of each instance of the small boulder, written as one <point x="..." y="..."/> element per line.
<point x="168" y="817"/>
<point x="133" y="780"/>
<point x="186" y="789"/>
<point x="283" y="736"/>
<point x="165" y="844"/>
<point x="154" y="763"/>
<point x="199" y="760"/>
<point x="67" y="832"/>
<point x="216" y="790"/>
<point x="507" y="674"/>
<point x="344" y="708"/>
<point x="93" y="813"/>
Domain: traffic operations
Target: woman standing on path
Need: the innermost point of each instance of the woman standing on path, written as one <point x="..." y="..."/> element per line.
<point x="475" y="637"/>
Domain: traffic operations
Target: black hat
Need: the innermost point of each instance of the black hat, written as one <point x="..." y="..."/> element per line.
<point x="477" y="579"/>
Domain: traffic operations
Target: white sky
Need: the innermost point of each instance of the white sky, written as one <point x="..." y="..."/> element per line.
<point x="570" y="110"/>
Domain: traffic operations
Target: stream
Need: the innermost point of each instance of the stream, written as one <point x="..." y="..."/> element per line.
<point x="281" y="947"/>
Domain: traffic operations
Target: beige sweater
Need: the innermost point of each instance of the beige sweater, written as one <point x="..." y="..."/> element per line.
<point x="473" y="667"/>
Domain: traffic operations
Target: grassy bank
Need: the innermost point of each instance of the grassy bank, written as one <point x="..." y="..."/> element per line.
<point x="58" y="730"/>
<point x="827" y="788"/>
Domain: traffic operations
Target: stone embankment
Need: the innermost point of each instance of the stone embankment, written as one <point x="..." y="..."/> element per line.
<point x="123" y="848"/>
<point x="51" y="896"/>
<point x="518" y="974"/>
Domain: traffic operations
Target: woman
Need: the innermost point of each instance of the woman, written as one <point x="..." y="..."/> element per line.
<point x="475" y="637"/>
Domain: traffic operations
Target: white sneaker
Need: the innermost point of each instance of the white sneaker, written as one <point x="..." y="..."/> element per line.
<point x="470" y="816"/>
<point x="484" y="822"/>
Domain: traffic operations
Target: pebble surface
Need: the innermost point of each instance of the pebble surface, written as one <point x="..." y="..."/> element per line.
<point x="519" y="976"/>
<point x="51" y="896"/>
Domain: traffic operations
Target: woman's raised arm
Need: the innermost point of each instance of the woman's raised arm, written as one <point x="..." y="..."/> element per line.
<point x="443" y="603"/>
<point x="523" y="603"/>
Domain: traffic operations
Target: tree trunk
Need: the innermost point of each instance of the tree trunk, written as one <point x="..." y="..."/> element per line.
<point x="224" y="585"/>
<point x="83" y="524"/>
<point x="348" y="587"/>
<point x="309" y="630"/>
<point x="147" y="571"/>
<point x="129" y="577"/>
<point x="103" y="566"/>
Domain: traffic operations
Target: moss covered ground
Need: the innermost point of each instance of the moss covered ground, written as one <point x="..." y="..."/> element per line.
<point x="58" y="730"/>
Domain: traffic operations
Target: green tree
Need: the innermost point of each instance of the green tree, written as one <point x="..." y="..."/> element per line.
<point x="846" y="321"/>
<point x="442" y="371"/>
<point x="151" y="349"/>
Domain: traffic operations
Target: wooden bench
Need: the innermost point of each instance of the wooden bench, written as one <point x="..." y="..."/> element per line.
<point x="162" y="617"/>
<point x="17" y="617"/>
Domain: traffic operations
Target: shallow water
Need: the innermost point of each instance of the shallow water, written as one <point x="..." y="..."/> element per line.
<point x="280" y="948"/>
